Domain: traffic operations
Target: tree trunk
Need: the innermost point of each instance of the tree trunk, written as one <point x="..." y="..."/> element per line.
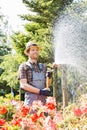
<point x="55" y="83"/>
<point x="64" y="86"/>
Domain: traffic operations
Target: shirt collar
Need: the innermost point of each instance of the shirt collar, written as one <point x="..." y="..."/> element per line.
<point x="32" y="62"/>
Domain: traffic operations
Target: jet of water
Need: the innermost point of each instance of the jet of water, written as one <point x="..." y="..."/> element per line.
<point x="70" y="37"/>
<point x="70" y="43"/>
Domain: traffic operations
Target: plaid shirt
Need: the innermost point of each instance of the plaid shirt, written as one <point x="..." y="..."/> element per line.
<point x="25" y="71"/>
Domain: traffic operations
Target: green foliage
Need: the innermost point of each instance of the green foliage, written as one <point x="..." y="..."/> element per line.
<point x="4" y="50"/>
<point x="3" y="28"/>
<point x="18" y="41"/>
<point x="47" y="10"/>
<point x="38" y="28"/>
<point x="10" y="66"/>
<point x="46" y="54"/>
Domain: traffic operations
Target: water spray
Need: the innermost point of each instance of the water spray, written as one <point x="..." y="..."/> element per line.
<point x="70" y="42"/>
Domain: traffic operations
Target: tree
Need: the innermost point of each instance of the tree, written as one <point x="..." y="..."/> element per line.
<point x="4" y="50"/>
<point x="39" y="26"/>
<point x="10" y="66"/>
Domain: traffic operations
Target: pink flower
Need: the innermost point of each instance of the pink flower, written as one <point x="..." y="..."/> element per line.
<point x="14" y="102"/>
<point x="37" y="104"/>
<point x="27" y="122"/>
<point x="51" y="100"/>
<point x="84" y="109"/>
<point x="49" y="124"/>
<point x="77" y="111"/>
<point x="58" y="117"/>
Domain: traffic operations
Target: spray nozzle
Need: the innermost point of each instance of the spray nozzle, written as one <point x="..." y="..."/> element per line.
<point x="49" y="74"/>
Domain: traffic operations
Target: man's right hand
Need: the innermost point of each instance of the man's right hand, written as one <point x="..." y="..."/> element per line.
<point x="45" y="92"/>
<point x="55" y="65"/>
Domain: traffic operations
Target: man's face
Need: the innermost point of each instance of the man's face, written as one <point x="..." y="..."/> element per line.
<point x="33" y="52"/>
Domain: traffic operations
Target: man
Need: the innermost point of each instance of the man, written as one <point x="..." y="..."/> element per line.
<point x="32" y="76"/>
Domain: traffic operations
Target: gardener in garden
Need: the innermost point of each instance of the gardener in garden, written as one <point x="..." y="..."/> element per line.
<point x="32" y="75"/>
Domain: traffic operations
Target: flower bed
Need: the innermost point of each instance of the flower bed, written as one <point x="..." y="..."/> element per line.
<point x="15" y="116"/>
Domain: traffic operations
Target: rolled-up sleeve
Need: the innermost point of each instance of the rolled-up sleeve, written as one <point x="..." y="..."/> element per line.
<point x="22" y="72"/>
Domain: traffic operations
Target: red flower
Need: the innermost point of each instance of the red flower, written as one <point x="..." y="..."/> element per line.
<point x="16" y="122"/>
<point x="4" y="128"/>
<point x="2" y="122"/>
<point x="36" y="116"/>
<point x="3" y="109"/>
<point x="50" y="106"/>
<point x="77" y="112"/>
<point x="25" y="110"/>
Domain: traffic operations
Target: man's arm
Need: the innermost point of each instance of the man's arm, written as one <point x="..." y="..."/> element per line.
<point x="27" y="87"/>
